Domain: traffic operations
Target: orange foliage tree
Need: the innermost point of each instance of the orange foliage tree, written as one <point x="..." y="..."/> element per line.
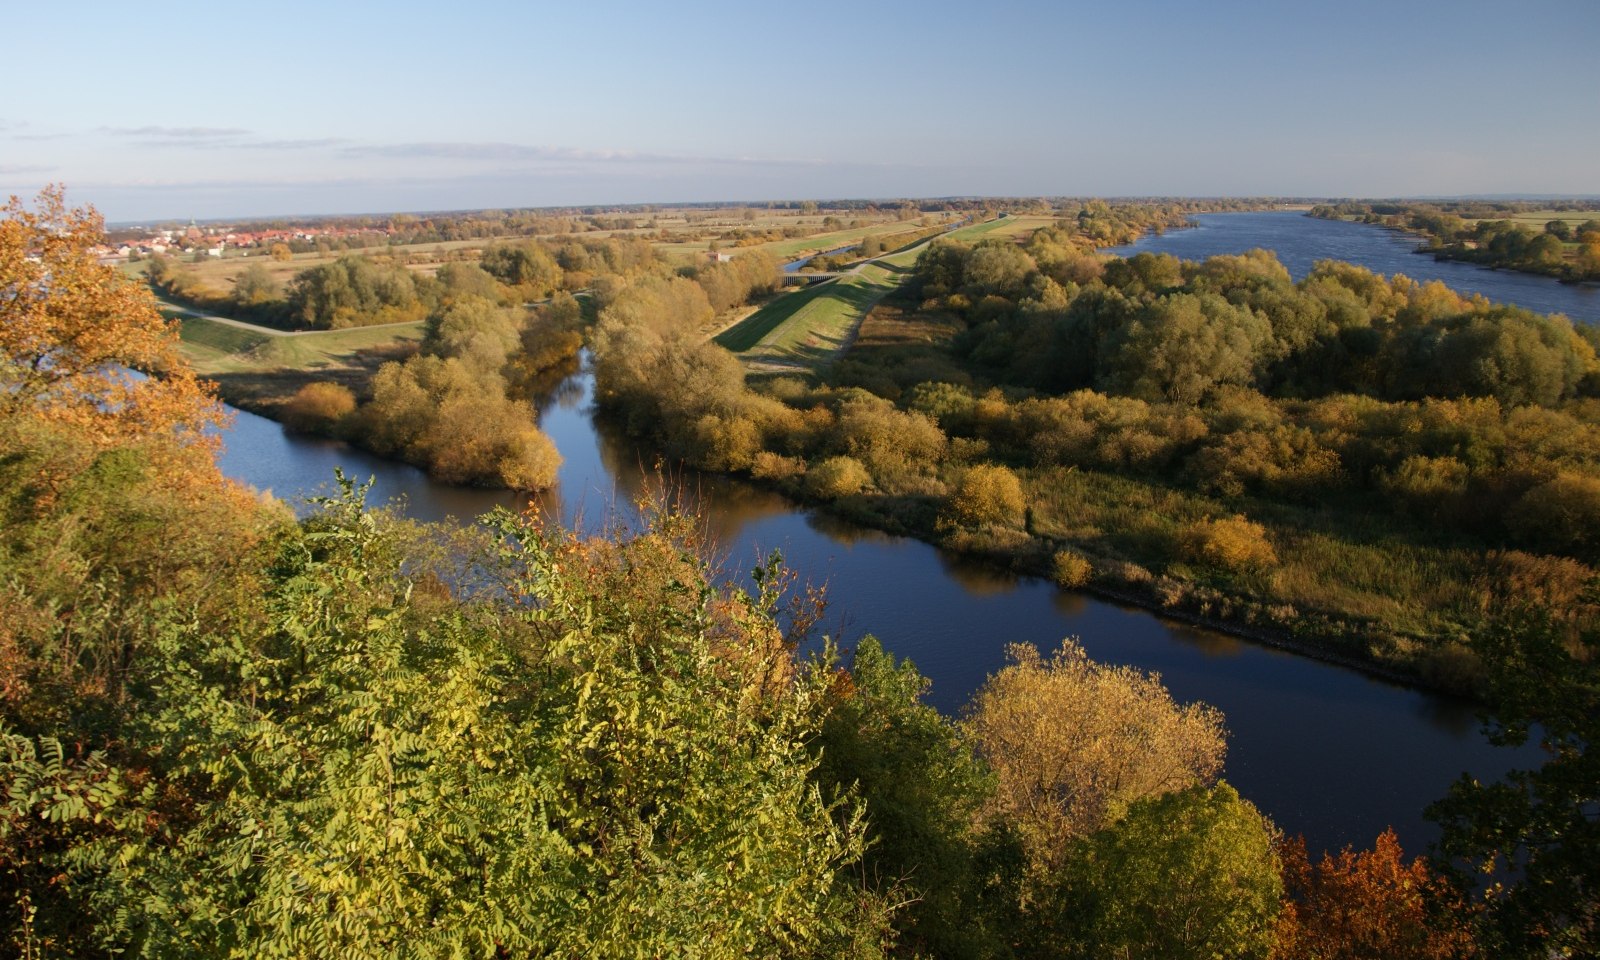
<point x="1366" y="904"/>
<point x="73" y="333"/>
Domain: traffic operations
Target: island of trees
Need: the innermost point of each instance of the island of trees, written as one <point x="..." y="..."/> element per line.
<point x="227" y="732"/>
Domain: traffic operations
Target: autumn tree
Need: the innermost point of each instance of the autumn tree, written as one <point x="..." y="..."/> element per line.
<point x="76" y="337"/>
<point x="1073" y="743"/>
<point x="113" y="519"/>
<point x="1368" y="903"/>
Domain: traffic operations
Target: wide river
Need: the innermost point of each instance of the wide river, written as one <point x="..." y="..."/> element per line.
<point x="1325" y="751"/>
<point x="1300" y="241"/>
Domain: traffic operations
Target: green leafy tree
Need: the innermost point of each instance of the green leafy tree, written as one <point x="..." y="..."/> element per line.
<point x="1534" y="837"/>
<point x="1190" y="874"/>
<point x="612" y="765"/>
<point x="922" y="789"/>
<point x="1183" y="346"/>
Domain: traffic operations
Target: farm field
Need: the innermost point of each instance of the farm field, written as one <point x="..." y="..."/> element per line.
<point x="1536" y="219"/>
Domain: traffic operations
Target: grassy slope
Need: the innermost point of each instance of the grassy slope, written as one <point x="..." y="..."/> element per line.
<point x="216" y="348"/>
<point x="810" y="326"/>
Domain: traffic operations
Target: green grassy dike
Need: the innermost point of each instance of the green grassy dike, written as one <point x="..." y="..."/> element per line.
<point x="258" y="370"/>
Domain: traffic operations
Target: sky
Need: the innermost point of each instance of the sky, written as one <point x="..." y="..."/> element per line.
<point x="222" y="110"/>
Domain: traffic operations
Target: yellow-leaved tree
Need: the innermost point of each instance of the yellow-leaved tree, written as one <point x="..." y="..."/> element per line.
<point x="73" y="331"/>
<point x="104" y="451"/>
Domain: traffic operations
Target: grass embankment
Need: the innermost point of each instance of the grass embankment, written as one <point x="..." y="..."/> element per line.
<point x="258" y="371"/>
<point x="809" y="327"/>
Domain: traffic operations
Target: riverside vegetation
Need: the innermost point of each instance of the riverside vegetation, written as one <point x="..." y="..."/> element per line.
<point x="1562" y="243"/>
<point x="1361" y="465"/>
<point x="225" y="732"/>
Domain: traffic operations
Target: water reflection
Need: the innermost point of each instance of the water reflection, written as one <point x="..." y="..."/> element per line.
<point x="1209" y="642"/>
<point x="977" y="578"/>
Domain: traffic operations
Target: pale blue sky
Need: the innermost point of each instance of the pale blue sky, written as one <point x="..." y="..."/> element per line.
<point x="213" y="110"/>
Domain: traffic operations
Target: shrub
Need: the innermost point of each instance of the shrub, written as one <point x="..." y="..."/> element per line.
<point x="1235" y="544"/>
<point x="775" y="466"/>
<point x="1071" y="569"/>
<point x="1562" y="515"/>
<point x="837" y="477"/>
<point x="318" y="407"/>
<point x="988" y="494"/>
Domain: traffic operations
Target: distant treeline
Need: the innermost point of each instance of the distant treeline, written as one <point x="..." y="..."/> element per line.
<point x="1557" y="249"/>
<point x="361" y="290"/>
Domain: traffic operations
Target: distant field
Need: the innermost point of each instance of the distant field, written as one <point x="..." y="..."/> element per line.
<point x="1002" y="226"/>
<point x="220" y="272"/>
<point x="686" y="238"/>
<point x="791" y="249"/>
<point x="1015" y="227"/>
<point x="1536" y="219"/>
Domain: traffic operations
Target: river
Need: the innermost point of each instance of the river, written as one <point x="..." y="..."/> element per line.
<point x="1325" y="751"/>
<point x="1300" y="241"/>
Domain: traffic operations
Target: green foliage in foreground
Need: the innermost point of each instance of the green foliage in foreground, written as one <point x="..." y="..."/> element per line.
<point x="369" y="772"/>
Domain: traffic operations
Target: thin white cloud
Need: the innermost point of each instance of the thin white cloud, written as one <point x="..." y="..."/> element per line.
<point x="528" y="153"/>
<point x="177" y="133"/>
<point x="19" y="169"/>
<point x="306" y="144"/>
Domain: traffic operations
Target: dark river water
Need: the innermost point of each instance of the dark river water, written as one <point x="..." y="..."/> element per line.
<point x="1324" y="751"/>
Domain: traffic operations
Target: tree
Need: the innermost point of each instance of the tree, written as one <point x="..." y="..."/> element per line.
<point x="1188" y="874"/>
<point x="280" y="252"/>
<point x="1073" y="743"/>
<point x="610" y="761"/>
<point x="73" y="333"/>
<point x="254" y="286"/>
<point x="1534" y="837"/>
<point x="922" y="789"/>
<point x="1183" y="346"/>
<point x="1370" y="903"/>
